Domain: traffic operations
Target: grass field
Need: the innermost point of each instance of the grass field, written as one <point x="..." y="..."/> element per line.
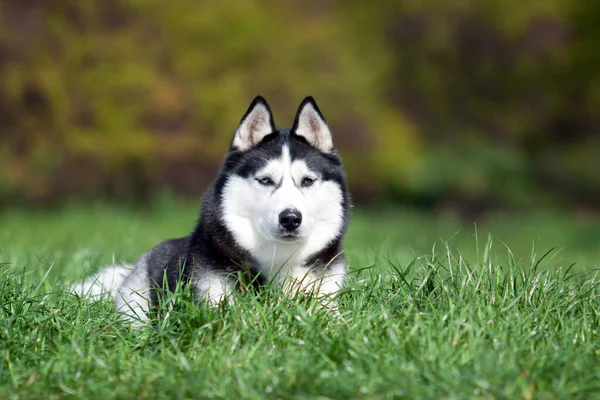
<point x="433" y="308"/>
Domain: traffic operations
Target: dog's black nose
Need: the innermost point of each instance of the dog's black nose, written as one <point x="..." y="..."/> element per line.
<point x="290" y="219"/>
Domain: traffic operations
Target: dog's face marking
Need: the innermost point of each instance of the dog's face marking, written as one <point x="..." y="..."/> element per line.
<point x="282" y="185"/>
<point x="284" y="196"/>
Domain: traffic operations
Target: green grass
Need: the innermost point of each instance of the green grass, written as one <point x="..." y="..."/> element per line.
<point x="433" y="309"/>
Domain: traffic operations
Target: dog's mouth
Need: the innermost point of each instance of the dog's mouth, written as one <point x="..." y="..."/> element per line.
<point x="289" y="236"/>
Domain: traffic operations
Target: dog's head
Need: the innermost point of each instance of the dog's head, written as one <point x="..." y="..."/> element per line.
<point x="283" y="185"/>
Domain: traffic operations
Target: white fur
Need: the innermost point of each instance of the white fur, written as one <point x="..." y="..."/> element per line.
<point x="133" y="296"/>
<point x="253" y="128"/>
<point x="251" y="212"/>
<point x="328" y="282"/>
<point x="213" y="287"/>
<point x="128" y="285"/>
<point x="314" y="129"/>
<point x="104" y="283"/>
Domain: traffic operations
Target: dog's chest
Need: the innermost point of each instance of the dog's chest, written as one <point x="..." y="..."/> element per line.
<point x="280" y="261"/>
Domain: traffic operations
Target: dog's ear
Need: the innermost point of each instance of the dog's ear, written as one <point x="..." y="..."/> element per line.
<point x="254" y="126"/>
<point x="311" y="125"/>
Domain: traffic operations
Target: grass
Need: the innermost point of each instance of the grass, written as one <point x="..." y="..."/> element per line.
<point x="433" y="308"/>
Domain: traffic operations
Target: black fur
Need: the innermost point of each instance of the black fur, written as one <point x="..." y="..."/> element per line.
<point x="211" y="245"/>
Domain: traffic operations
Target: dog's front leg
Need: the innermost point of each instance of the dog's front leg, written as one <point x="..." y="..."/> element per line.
<point x="214" y="287"/>
<point x="321" y="284"/>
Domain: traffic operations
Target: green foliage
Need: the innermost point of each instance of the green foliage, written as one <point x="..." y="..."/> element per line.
<point x="468" y="318"/>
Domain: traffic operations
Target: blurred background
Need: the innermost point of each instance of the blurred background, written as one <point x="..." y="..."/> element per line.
<point x="461" y="106"/>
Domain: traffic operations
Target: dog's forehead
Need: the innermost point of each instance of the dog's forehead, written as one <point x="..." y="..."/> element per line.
<point x="316" y="161"/>
<point x="281" y="149"/>
<point x="282" y="162"/>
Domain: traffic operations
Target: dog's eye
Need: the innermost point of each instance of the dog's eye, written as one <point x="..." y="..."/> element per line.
<point x="306" y="182"/>
<point x="266" y="181"/>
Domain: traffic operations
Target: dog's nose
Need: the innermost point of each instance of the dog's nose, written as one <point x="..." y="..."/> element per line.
<point x="290" y="219"/>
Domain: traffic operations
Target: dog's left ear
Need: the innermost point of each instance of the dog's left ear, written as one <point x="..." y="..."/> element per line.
<point x="311" y="125"/>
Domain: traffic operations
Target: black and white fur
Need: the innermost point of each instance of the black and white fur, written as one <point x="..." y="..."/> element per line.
<point x="278" y="209"/>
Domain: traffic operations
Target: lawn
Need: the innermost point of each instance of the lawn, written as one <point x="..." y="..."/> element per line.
<point x="433" y="308"/>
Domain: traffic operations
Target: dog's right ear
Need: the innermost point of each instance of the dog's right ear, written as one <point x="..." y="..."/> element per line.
<point x="255" y="125"/>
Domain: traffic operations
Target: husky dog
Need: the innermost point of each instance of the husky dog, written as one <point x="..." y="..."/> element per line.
<point x="278" y="210"/>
